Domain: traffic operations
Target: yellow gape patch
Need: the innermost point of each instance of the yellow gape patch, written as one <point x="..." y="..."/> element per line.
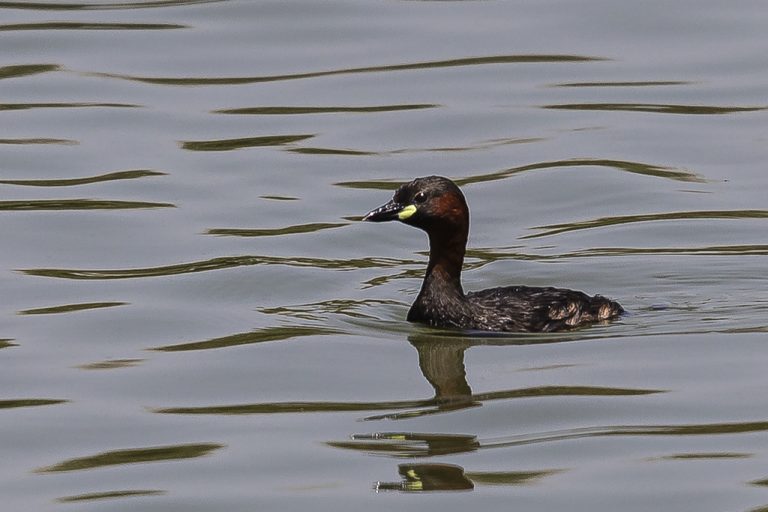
<point x="406" y="212"/>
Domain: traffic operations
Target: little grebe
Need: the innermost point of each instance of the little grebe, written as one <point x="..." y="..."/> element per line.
<point x="436" y="205"/>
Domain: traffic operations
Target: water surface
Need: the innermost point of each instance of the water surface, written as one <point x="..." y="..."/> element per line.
<point x="195" y="318"/>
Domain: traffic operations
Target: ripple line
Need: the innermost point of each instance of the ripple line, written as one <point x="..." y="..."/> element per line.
<point x="245" y="142"/>
<point x="78" y="204"/>
<point x="68" y="308"/>
<point x="133" y="456"/>
<point x="263" y="335"/>
<point x="656" y="108"/>
<point x="411" y="445"/>
<point x="62" y="142"/>
<point x="29" y="402"/>
<point x="225" y="262"/>
<point x="289" y="230"/>
<point x="68" y="182"/>
<point x="470" y="61"/>
<point x="107" y="495"/>
<point x="26" y="70"/>
<point x="48" y="6"/>
<point x="554" y="229"/>
<point x="648" y="83"/>
<point x="271" y="111"/>
<point x="73" y="25"/>
<point x="640" y="168"/>
<point x="30" y="106"/>
<point x="309" y="407"/>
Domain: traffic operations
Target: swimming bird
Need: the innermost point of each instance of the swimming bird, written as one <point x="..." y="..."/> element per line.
<point x="436" y="205"/>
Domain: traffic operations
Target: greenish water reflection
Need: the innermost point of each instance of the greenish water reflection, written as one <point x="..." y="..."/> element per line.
<point x="95" y="496"/>
<point x="73" y="25"/>
<point x="69" y="182"/>
<point x="262" y="111"/>
<point x="67" y="308"/>
<point x="99" y="6"/>
<point x="33" y="106"/>
<point x="246" y="338"/>
<point x="29" y="402"/>
<point x="472" y="61"/>
<point x="621" y="165"/>
<point x="26" y="69"/>
<point x="554" y="229"/>
<point x="449" y="477"/>
<point x="133" y="456"/>
<point x="288" y="230"/>
<point x="655" y="108"/>
<point x="78" y="204"/>
<point x="244" y="142"/>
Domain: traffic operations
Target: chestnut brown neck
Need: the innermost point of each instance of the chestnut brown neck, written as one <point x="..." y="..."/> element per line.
<point x="448" y="243"/>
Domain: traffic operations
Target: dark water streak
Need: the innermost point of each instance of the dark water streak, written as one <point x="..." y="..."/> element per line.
<point x="30" y="402"/>
<point x="655" y="108"/>
<point x="243" y="142"/>
<point x="288" y="230"/>
<point x="31" y="106"/>
<point x="26" y="70"/>
<point x="271" y="111"/>
<point x="133" y="456"/>
<point x="73" y="25"/>
<point x="69" y="182"/>
<point x="70" y="6"/>
<point x="68" y="308"/>
<point x="77" y="204"/>
<point x="470" y="61"/>
<point x="620" y="165"/>
<point x="108" y="495"/>
<point x="554" y="229"/>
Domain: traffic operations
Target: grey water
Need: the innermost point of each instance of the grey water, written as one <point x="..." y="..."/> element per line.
<point x="193" y="317"/>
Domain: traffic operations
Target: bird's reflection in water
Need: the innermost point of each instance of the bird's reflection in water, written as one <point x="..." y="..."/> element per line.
<point x="441" y="360"/>
<point x="449" y="477"/>
<point x="428" y="477"/>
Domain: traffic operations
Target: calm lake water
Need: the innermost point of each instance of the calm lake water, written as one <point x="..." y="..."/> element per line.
<point x="194" y="318"/>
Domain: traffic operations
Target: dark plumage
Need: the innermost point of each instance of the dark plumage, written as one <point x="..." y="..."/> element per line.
<point x="437" y="206"/>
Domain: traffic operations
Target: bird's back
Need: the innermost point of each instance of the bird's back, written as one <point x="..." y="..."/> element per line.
<point x="524" y="308"/>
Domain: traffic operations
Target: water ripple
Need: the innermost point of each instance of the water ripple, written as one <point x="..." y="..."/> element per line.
<point x="68" y="308"/>
<point x="304" y="407"/>
<point x="133" y="456"/>
<point x="245" y="142"/>
<point x="106" y="495"/>
<point x="73" y="25"/>
<point x="111" y="364"/>
<point x="30" y="106"/>
<point x="648" y="83"/>
<point x="412" y="445"/>
<point x="288" y="230"/>
<point x="269" y="111"/>
<point x="29" y="402"/>
<point x="554" y="229"/>
<point x="656" y="108"/>
<point x="38" y="140"/>
<point x="473" y="147"/>
<point x="471" y="61"/>
<point x="69" y="182"/>
<point x="26" y="70"/>
<point x="48" y="6"/>
<point x="262" y="335"/>
<point x="78" y="204"/>
<point x="621" y="165"/>
<point x="217" y="264"/>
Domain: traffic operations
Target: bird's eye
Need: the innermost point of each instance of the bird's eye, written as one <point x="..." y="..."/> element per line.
<point x="420" y="197"/>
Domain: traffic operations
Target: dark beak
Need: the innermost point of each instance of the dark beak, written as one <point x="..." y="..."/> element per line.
<point x="384" y="213"/>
